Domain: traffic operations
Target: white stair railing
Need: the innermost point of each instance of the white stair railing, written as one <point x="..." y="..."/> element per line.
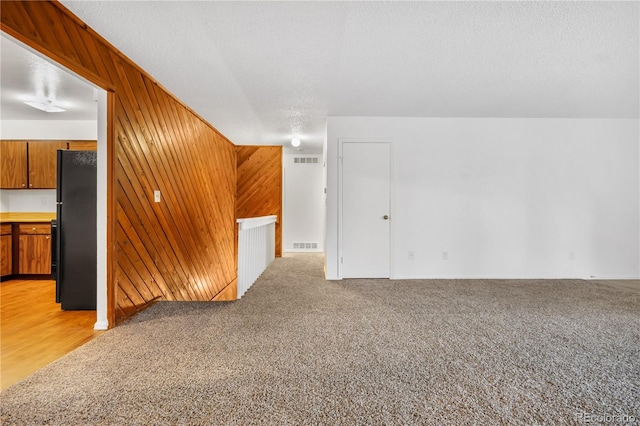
<point x="256" y="249"/>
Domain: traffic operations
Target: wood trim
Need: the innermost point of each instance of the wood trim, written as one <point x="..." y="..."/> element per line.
<point x="228" y="293"/>
<point x="142" y="307"/>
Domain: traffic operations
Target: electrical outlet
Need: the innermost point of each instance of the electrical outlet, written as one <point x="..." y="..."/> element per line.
<point x="43" y="201"/>
<point x="412" y="255"/>
<point x="445" y="255"/>
<point x="156" y="196"/>
<point x="572" y="255"/>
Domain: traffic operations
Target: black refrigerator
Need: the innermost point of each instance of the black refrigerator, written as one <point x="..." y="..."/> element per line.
<point x="73" y="245"/>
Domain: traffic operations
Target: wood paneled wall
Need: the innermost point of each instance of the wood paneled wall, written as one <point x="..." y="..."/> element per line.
<point x="182" y="248"/>
<point x="260" y="185"/>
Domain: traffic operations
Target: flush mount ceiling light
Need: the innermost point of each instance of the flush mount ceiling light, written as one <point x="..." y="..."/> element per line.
<point x="46" y="106"/>
<point x="295" y="142"/>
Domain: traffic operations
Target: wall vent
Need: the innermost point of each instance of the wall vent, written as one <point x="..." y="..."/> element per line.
<point x="301" y="246"/>
<point x="305" y="160"/>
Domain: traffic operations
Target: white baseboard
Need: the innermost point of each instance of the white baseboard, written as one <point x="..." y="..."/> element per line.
<point x="101" y="325"/>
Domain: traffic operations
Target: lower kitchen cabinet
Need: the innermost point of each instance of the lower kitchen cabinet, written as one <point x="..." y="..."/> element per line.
<point x="6" y="257"/>
<point x="34" y="248"/>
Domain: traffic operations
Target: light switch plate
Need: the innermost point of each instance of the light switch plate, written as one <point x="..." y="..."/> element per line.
<point x="156" y="196"/>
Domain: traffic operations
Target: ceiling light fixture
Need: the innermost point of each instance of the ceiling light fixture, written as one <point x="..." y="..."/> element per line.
<point x="46" y="106"/>
<point x="295" y="142"/>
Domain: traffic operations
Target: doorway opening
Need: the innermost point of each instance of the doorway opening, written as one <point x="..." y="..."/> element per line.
<point x="28" y="74"/>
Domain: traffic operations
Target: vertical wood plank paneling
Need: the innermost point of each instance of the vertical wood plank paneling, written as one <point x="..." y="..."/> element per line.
<point x="182" y="248"/>
<point x="259" y="185"/>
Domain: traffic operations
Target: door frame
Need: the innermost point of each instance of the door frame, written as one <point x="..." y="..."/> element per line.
<point x="341" y="141"/>
<point x="105" y="285"/>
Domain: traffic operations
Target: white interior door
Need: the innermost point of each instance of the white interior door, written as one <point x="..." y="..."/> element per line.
<point x="366" y="185"/>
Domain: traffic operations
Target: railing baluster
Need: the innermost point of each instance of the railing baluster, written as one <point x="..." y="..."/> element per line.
<point x="256" y="249"/>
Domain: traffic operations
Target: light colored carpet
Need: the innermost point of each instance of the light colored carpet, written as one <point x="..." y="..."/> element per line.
<point x="299" y="350"/>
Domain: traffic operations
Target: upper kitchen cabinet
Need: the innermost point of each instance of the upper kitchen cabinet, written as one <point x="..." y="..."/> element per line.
<point x="29" y="165"/>
<point x="42" y="163"/>
<point x="13" y="164"/>
<point x="83" y="145"/>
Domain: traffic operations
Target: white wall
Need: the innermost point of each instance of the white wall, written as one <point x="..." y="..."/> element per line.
<point x="40" y="200"/>
<point x="303" y="216"/>
<point x="49" y="129"/>
<point x="28" y="200"/>
<point x="505" y="198"/>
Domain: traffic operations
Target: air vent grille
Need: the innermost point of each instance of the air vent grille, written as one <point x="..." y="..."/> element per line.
<point x="305" y="160"/>
<point x="301" y="246"/>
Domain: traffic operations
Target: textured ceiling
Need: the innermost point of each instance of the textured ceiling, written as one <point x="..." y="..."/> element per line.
<point x="25" y="76"/>
<point x="263" y="71"/>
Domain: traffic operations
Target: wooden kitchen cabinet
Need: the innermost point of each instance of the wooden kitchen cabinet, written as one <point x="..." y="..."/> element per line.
<point x="34" y="248"/>
<point x="13" y="165"/>
<point x="43" y="163"/>
<point x="29" y="164"/>
<point x="83" y="145"/>
<point x="6" y="250"/>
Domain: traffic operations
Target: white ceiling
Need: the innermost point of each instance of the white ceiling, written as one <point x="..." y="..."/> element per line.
<point x="262" y="72"/>
<point x="25" y="76"/>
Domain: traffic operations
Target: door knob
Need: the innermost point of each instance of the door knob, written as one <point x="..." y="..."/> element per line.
<point x="385" y="217"/>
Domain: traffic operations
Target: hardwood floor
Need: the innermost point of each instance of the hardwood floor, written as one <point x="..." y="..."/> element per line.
<point x="35" y="331"/>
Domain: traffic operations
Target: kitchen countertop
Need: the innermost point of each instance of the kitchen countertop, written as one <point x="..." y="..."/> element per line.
<point x="26" y="217"/>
